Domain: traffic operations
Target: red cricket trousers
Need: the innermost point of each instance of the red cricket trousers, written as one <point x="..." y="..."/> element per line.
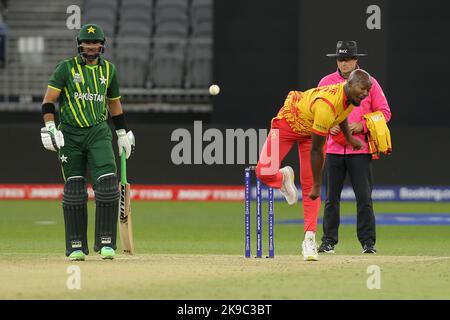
<point x="269" y="164"/>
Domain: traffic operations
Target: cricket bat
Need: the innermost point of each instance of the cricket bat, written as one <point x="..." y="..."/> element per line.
<point x="125" y="221"/>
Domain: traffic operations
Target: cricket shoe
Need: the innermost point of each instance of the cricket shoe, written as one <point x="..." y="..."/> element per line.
<point x="326" y="247"/>
<point x="107" y="253"/>
<point x="77" y="255"/>
<point x="309" y="247"/>
<point x="288" y="188"/>
<point x="369" y="248"/>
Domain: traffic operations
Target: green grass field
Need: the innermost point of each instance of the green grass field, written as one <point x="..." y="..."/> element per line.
<point x="194" y="250"/>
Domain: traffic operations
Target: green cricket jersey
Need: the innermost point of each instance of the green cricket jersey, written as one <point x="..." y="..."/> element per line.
<point x="84" y="90"/>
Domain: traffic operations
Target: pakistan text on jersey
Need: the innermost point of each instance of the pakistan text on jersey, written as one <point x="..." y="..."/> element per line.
<point x="88" y="96"/>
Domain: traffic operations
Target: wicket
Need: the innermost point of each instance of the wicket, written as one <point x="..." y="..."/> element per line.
<point x="248" y="176"/>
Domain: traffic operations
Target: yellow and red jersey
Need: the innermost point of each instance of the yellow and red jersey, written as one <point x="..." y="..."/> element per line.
<point x="316" y="110"/>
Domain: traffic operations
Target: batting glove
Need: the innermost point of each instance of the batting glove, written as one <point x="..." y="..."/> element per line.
<point x="52" y="138"/>
<point x="125" y="140"/>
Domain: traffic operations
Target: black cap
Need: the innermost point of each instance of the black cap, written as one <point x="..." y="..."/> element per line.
<point x="346" y="49"/>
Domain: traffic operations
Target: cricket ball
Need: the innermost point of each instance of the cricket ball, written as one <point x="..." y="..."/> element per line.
<point x="214" y="90"/>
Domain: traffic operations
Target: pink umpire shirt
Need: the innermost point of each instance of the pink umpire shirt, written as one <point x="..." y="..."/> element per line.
<point x="376" y="101"/>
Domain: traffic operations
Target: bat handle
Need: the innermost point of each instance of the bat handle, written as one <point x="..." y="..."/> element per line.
<point x="123" y="167"/>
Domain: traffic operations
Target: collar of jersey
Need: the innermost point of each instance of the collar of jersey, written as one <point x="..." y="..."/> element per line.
<point x="81" y="62"/>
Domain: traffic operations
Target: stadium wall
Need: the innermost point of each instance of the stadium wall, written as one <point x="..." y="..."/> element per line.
<point x="256" y="53"/>
<point x="257" y="60"/>
<point x="416" y="159"/>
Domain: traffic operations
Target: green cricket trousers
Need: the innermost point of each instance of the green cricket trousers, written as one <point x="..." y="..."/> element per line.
<point x="87" y="148"/>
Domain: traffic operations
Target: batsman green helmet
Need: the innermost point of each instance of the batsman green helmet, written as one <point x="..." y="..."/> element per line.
<point x="90" y="32"/>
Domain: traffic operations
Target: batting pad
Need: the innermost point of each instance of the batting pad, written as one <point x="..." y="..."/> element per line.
<point x="106" y="212"/>
<point x="74" y="204"/>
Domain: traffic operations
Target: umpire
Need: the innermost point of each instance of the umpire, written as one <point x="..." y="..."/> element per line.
<point x="86" y="87"/>
<point x="341" y="158"/>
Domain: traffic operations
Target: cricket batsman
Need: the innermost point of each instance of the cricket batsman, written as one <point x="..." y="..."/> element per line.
<point x="305" y="119"/>
<point x="87" y="90"/>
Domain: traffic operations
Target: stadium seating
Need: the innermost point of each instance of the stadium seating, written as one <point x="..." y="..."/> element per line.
<point x="136" y="18"/>
<point x="90" y="4"/>
<point x="134" y="29"/>
<point x="106" y="13"/>
<point x="171" y="17"/>
<point x="171" y="7"/>
<point x="131" y="59"/>
<point x="3" y="34"/>
<point x="159" y="43"/>
<point x="142" y="4"/>
<point x="103" y="13"/>
<point x="162" y="45"/>
<point x="167" y="65"/>
<point x="201" y="18"/>
<point x="199" y="65"/>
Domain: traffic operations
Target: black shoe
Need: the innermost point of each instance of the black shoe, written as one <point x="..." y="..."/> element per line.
<point x="369" y="248"/>
<point x="326" y="247"/>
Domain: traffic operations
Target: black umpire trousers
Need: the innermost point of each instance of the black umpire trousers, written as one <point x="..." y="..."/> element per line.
<point x="359" y="168"/>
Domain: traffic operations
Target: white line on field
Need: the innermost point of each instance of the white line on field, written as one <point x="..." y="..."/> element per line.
<point x="45" y="222"/>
